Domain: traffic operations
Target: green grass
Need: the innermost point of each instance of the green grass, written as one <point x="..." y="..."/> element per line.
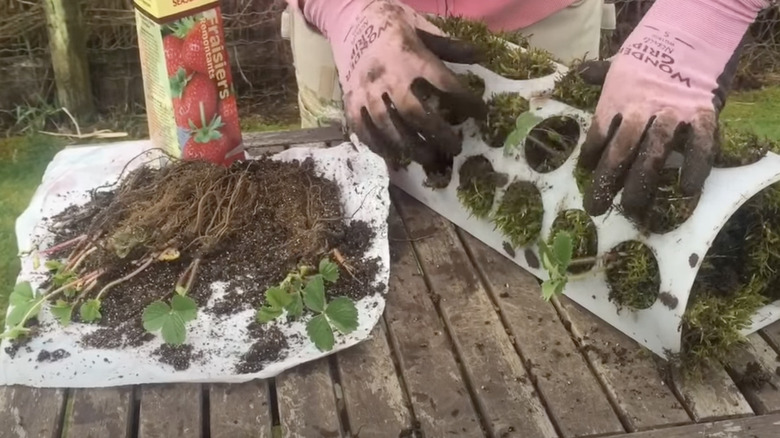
<point x="758" y="110"/>
<point x="22" y="163"/>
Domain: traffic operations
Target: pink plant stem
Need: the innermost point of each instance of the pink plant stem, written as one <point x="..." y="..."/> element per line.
<point x="64" y="245"/>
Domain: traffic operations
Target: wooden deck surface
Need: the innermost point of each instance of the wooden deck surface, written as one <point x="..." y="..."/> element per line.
<point x="466" y="348"/>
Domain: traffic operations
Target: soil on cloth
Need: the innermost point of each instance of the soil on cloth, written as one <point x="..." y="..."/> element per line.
<point x="196" y="229"/>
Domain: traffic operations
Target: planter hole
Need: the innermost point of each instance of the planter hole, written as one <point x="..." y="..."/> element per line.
<point x="633" y="275"/>
<point x="551" y="143"/>
<point x="519" y="214"/>
<point x="584" y="238"/>
<point x="478" y="183"/>
<point x="670" y="208"/>
<point x="503" y="110"/>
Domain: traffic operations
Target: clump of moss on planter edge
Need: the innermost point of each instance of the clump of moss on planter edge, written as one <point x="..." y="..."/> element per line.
<point x="473" y="82"/>
<point x="584" y="238"/>
<point x="551" y="142"/>
<point x="572" y="90"/>
<point x="519" y="214"/>
<point x="741" y="147"/>
<point x="633" y="275"/>
<point x="478" y="183"/>
<point x="503" y="110"/>
<point x="509" y="62"/>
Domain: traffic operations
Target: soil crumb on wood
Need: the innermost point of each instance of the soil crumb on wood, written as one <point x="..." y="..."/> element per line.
<point x="243" y="227"/>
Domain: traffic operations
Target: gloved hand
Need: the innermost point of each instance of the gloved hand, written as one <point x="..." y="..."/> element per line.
<point x="398" y="94"/>
<point x="664" y="91"/>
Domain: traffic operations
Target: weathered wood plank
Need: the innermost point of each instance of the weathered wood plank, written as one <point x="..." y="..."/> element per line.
<point x="766" y="426"/>
<point x="713" y="397"/>
<point x="99" y="412"/>
<point x="171" y="411"/>
<point x="629" y="372"/>
<point x="328" y="134"/>
<point x="68" y="50"/>
<point x="772" y="333"/>
<point x="573" y="395"/>
<point x="31" y="412"/>
<point x="506" y="398"/>
<point x="373" y="396"/>
<point x="307" y="403"/>
<point x="240" y="410"/>
<point x="763" y="395"/>
<point x="439" y="397"/>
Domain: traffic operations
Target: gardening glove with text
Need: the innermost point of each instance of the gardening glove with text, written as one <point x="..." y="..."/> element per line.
<point x="399" y="97"/>
<point x="663" y="91"/>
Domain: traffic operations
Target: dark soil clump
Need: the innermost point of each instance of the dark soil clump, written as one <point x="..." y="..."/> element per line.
<point x="269" y="345"/>
<point x="178" y="356"/>
<point x="52" y="356"/>
<point x="188" y="225"/>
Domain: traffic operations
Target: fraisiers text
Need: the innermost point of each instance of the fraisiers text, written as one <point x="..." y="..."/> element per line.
<point x="215" y="56"/>
<point x="655" y="58"/>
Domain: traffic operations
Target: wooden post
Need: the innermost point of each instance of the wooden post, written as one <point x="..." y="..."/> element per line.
<point x="69" y="57"/>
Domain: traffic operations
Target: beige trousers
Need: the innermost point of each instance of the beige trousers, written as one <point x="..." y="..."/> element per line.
<point x="570" y="34"/>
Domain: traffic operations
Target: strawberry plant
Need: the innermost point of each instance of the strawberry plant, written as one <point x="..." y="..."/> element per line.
<point x="306" y="287"/>
<point x="556" y="260"/>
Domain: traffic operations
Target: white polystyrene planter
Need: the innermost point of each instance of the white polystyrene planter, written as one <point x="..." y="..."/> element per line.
<point x="679" y="253"/>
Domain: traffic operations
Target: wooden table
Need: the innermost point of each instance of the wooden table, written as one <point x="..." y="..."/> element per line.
<point x="466" y="348"/>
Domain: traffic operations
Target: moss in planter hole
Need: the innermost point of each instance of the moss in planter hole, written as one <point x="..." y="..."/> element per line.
<point x="509" y="62"/>
<point x="503" y="110"/>
<point x="583" y="177"/>
<point x="633" y="275"/>
<point x="551" y="143"/>
<point x="584" y="234"/>
<point x="572" y="90"/>
<point x="473" y="83"/>
<point x="519" y="214"/>
<point x="478" y="183"/>
<point x="670" y="208"/>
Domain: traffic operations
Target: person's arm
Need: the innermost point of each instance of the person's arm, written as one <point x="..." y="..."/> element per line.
<point x="398" y="94"/>
<point x="664" y="91"/>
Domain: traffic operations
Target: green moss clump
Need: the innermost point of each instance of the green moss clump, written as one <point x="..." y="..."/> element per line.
<point x="551" y="143"/>
<point x="633" y="275"/>
<point x="473" y="83"/>
<point x="512" y="63"/>
<point x="670" y="208"/>
<point x="583" y="177"/>
<point x="584" y="235"/>
<point x="740" y="147"/>
<point x="519" y="215"/>
<point x="503" y="110"/>
<point x="478" y="183"/>
<point x="572" y="90"/>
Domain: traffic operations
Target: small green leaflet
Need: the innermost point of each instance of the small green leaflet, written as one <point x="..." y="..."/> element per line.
<point x="342" y="314"/>
<point x="53" y="265"/>
<point x="320" y="333"/>
<point x="562" y="249"/>
<point x="267" y="314"/>
<point x="295" y="308"/>
<point x="551" y="288"/>
<point x="523" y="126"/>
<point x="329" y="270"/>
<point x="24" y="304"/>
<point x="277" y="297"/>
<point x="90" y="311"/>
<point x="14" y="332"/>
<point x="63" y="312"/>
<point x="170" y="320"/>
<point x="314" y="294"/>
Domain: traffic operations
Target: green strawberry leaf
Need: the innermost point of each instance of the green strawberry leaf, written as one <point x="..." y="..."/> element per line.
<point x="295" y="308"/>
<point x="329" y="270"/>
<point x="63" y="278"/>
<point x="22" y="294"/>
<point x="154" y="316"/>
<point x="278" y="298"/>
<point x="24" y="304"/>
<point x="314" y="294"/>
<point x="547" y="259"/>
<point x="14" y="332"/>
<point x="524" y="124"/>
<point x="53" y="265"/>
<point x="185" y="307"/>
<point x="343" y="314"/>
<point x="173" y="330"/>
<point x="90" y="311"/>
<point x="267" y="314"/>
<point x="320" y="333"/>
<point x="562" y="249"/>
<point x="63" y="311"/>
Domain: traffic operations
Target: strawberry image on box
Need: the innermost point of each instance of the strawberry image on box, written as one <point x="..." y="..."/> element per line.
<point x="190" y="98"/>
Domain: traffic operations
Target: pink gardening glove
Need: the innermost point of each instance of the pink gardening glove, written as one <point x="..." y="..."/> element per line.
<point x="399" y="96"/>
<point x="669" y="82"/>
